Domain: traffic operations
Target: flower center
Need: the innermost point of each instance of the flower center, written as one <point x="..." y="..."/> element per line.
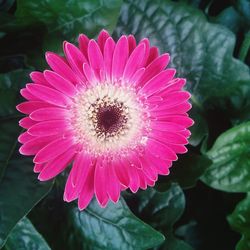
<point x="108" y="118"/>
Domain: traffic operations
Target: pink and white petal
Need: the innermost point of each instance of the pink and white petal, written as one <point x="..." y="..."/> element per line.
<point x="83" y="41"/>
<point x="136" y="77"/>
<point x="33" y="146"/>
<point x="75" y="58"/>
<point x="100" y="183"/>
<point x="148" y="168"/>
<point x="51" y="113"/>
<point x="25" y="137"/>
<point x="166" y="126"/>
<point x="60" y="83"/>
<point x="178" y="149"/>
<point x="57" y="165"/>
<point x="169" y="137"/>
<point x="30" y="106"/>
<point x="146" y="42"/>
<point x="95" y="58"/>
<point x="155" y="67"/>
<point x="162" y="166"/>
<point x="38" y="77"/>
<point x="153" y="54"/>
<point x="176" y="110"/>
<point x="26" y="122"/>
<point x="49" y="95"/>
<point x="102" y="38"/>
<point x="157" y="82"/>
<point x="108" y="57"/>
<point x="175" y="85"/>
<point x="54" y="149"/>
<point x="58" y="64"/>
<point x="134" y="61"/>
<point x="131" y="43"/>
<point x="89" y="74"/>
<point x="47" y="128"/>
<point x="120" y="58"/>
<point x="87" y="191"/>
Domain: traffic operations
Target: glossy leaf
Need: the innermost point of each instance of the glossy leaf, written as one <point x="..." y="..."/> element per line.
<point x="214" y="77"/>
<point x="114" y="227"/>
<point x="230" y="155"/>
<point x="25" y="237"/>
<point x="240" y="222"/>
<point x="162" y="210"/>
<point x="20" y="191"/>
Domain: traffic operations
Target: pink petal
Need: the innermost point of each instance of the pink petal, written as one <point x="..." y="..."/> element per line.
<point x="75" y="58"/>
<point x="157" y="82"/>
<point x="153" y="53"/>
<point x="155" y="67"/>
<point x="87" y="191"/>
<point x="178" y="149"/>
<point x="100" y="183"/>
<point x="136" y="76"/>
<point x="174" y="85"/>
<point x="134" y="180"/>
<point x="121" y="172"/>
<point x="134" y="61"/>
<point x="162" y="166"/>
<point x="49" y="128"/>
<point x="108" y="57"/>
<point x="61" y="67"/>
<point x="89" y="74"/>
<point x="51" y="113"/>
<point x="143" y="183"/>
<point x="95" y="58"/>
<point x="83" y="41"/>
<point x="38" y="77"/>
<point x="25" y="137"/>
<point x="179" y="119"/>
<point x="145" y="41"/>
<point x="166" y="126"/>
<point x="60" y="83"/>
<point x="49" y="95"/>
<point x="57" y="165"/>
<point x="112" y="183"/>
<point x="27" y="95"/>
<point x="29" y="107"/>
<point x="103" y="36"/>
<point x="148" y="169"/>
<point x="53" y="149"/>
<point x="120" y="57"/>
<point x="179" y="109"/>
<point x="169" y="137"/>
<point x="26" y="122"/>
<point x="32" y="147"/>
<point x="131" y="43"/>
<point x="38" y="168"/>
<point x="160" y="150"/>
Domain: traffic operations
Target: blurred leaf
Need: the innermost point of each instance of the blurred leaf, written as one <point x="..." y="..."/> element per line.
<point x="113" y="227"/>
<point x="5" y="5"/>
<point x="162" y="210"/>
<point x="66" y="19"/>
<point x="230" y="18"/>
<point x="25" y="237"/>
<point x="240" y="222"/>
<point x="230" y="155"/>
<point x="195" y="46"/>
<point x="186" y="171"/>
<point x="243" y="6"/>
<point x="10" y="84"/>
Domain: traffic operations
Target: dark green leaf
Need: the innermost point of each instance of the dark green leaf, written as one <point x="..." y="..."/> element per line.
<point x="5" y="5"/>
<point x="186" y="171"/>
<point x="243" y="6"/>
<point x="230" y="155"/>
<point x="19" y="191"/>
<point x="240" y="222"/>
<point x="114" y="227"/>
<point x="10" y="84"/>
<point x="195" y="46"/>
<point x="162" y="210"/>
<point x="25" y="237"/>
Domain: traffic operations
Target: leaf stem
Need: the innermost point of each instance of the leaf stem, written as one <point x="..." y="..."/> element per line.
<point x="245" y="47"/>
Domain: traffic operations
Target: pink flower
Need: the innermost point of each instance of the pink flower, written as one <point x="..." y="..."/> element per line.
<point x="111" y="110"/>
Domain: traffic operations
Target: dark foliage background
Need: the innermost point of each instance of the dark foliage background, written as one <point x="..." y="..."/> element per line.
<point x="204" y="203"/>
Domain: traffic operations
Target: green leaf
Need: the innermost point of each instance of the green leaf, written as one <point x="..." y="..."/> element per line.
<point x="5" y="5"/>
<point x="214" y="77"/>
<point x="162" y="210"/>
<point x="65" y="20"/>
<point x="25" y="237"/>
<point x="243" y="6"/>
<point x="186" y="171"/>
<point x="113" y="227"/>
<point x="240" y="222"/>
<point x="10" y="84"/>
<point x="230" y="155"/>
<point x="20" y="191"/>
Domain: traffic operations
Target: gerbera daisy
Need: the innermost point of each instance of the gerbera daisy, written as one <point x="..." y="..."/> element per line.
<point x="110" y="109"/>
